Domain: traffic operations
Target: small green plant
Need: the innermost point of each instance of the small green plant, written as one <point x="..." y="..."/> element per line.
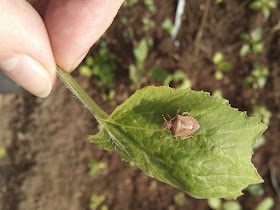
<point x="218" y="93"/>
<point x="221" y="65"/>
<point x="179" y="199"/>
<point x="253" y="42"/>
<point x="96" y="167"/>
<point x="123" y="19"/>
<point x="177" y="80"/>
<point x="218" y="1"/>
<point x="259" y="142"/>
<point x="266" y="204"/>
<point x="256" y="189"/>
<point x="101" y="65"/>
<point x="159" y="74"/>
<point x="150" y="5"/>
<point x="264" y="5"/>
<point x="216" y="204"/>
<point x="96" y="201"/>
<point x="2" y="152"/>
<point x="231" y="205"/>
<point x="136" y="70"/>
<point x="167" y="25"/>
<point x="262" y="112"/>
<point x="148" y="24"/>
<point x="153" y="185"/>
<point x="258" y="77"/>
<point x="128" y="3"/>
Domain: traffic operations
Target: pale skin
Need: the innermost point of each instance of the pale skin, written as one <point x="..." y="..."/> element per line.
<point x="36" y="38"/>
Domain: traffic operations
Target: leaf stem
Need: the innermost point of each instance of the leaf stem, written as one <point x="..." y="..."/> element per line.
<point x="76" y="89"/>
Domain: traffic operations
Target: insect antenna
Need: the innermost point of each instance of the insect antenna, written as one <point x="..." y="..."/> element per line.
<point x="164" y="117"/>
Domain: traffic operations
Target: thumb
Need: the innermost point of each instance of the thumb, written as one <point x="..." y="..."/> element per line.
<point x="25" y="50"/>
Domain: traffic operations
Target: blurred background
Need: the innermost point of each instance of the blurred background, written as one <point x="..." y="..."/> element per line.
<point x="228" y="48"/>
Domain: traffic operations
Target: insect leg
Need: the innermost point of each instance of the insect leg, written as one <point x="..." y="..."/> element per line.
<point x="186" y="137"/>
<point x="162" y="132"/>
<point x="186" y="113"/>
<point x="178" y="110"/>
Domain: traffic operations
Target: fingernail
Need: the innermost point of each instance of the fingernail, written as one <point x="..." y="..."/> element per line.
<point x="78" y="61"/>
<point x="29" y="74"/>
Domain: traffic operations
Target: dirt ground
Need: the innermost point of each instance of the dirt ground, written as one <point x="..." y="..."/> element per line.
<point x="46" y="139"/>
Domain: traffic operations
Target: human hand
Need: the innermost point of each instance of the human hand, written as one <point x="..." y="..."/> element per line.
<point x="31" y="47"/>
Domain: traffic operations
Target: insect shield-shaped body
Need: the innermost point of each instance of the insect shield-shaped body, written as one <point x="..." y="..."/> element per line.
<point x="180" y="125"/>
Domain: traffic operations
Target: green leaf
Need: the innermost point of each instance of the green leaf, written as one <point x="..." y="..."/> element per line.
<point x="215" y="203"/>
<point x="218" y="1"/>
<point x="2" y="152"/>
<point x="89" y="61"/>
<point x="219" y="75"/>
<point x="256" y="189"/>
<point x="248" y="80"/>
<point x="141" y="51"/>
<point x="159" y="74"/>
<point x="261" y="82"/>
<point x="167" y="25"/>
<point x="179" y="199"/>
<point x="231" y="205"/>
<point x="85" y="71"/>
<point x="257" y="48"/>
<point x="134" y="74"/>
<point x="245" y="36"/>
<point x="259" y="143"/>
<point x="255" y="5"/>
<point x="216" y="162"/>
<point x="266" y="204"/>
<point x="218" y="58"/>
<point x="257" y="34"/>
<point x="224" y="66"/>
<point x="262" y="112"/>
<point x="245" y="49"/>
<point x="272" y="4"/>
<point x="266" y="11"/>
<point x="96" y="200"/>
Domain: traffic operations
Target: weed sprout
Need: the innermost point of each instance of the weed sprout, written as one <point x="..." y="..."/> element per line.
<point x="167" y="25"/>
<point x="221" y="65"/>
<point x="136" y="70"/>
<point x="266" y="204"/>
<point x="179" y="199"/>
<point x="253" y="43"/>
<point x="258" y="77"/>
<point x="264" y="5"/>
<point x="148" y="24"/>
<point x="263" y="112"/>
<point x="96" y="167"/>
<point x="150" y="5"/>
<point x="101" y="65"/>
<point x="128" y="3"/>
<point x="178" y="80"/>
<point x="2" y="152"/>
<point x="256" y="189"/>
<point x="96" y="201"/>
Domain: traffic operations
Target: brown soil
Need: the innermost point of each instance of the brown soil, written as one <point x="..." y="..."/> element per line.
<point x="46" y="139"/>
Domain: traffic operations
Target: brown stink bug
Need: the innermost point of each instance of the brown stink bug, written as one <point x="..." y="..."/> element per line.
<point x="180" y="125"/>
